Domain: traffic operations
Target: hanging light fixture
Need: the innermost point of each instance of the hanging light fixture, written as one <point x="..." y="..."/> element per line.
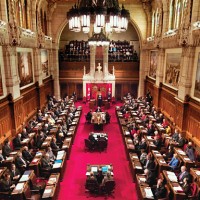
<point x="98" y="14"/>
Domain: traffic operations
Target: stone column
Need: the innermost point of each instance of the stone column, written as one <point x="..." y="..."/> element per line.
<point x="37" y="66"/>
<point x="11" y="71"/>
<point x="160" y="68"/>
<point x="144" y="63"/>
<point x="105" y="61"/>
<point x="92" y="59"/>
<point x="166" y="17"/>
<point x="54" y="70"/>
<point x="185" y="77"/>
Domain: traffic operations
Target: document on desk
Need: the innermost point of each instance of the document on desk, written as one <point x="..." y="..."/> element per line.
<point x="19" y="186"/>
<point x="127" y="133"/>
<point x="138" y="167"/>
<point x="24" y="178"/>
<point x="187" y="159"/>
<point x="9" y="158"/>
<point x="35" y="160"/>
<point x="13" y="153"/>
<point x="52" y="181"/>
<point x="134" y="157"/>
<point x="162" y="161"/>
<point x="148" y="192"/>
<point x="172" y="178"/>
<point x="197" y="173"/>
<point x="181" y="152"/>
<point x="59" y="157"/>
<point x="87" y="173"/>
<point x="61" y="152"/>
<point x="178" y="188"/>
<point x="47" y="191"/>
<point x="142" y="179"/>
<point x="56" y="165"/>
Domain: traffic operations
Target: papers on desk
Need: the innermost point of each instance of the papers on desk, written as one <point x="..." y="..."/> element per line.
<point x="181" y="152"/>
<point x="69" y="133"/>
<point x="186" y="159"/>
<point x="138" y="167"/>
<point x="65" y="146"/>
<point x="172" y="177"/>
<point x="45" y="143"/>
<point x="87" y="173"/>
<point x="149" y="138"/>
<point x="39" y="153"/>
<point x="52" y="180"/>
<point x="61" y="152"/>
<point x="35" y="160"/>
<point x="142" y="179"/>
<point x="197" y="173"/>
<point x="25" y="140"/>
<point x="178" y="188"/>
<point x="56" y="165"/>
<point x="162" y="161"/>
<point x="59" y="157"/>
<point x="134" y="157"/>
<point x="19" y="186"/>
<point x="47" y="191"/>
<point x="129" y="141"/>
<point x="127" y="133"/>
<point x="9" y="158"/>
<point x="148" y="192"/>
<point x="13" y="153"/>
<point x="24" y="178"/>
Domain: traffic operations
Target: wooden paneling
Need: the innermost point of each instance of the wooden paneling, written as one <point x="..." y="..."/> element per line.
<point x="5" y="121"/>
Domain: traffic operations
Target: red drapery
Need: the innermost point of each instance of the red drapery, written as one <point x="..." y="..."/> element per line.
<point x="93" y="89"/>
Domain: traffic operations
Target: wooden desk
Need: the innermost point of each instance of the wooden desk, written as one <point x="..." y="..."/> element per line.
<point x="67" y="144"/>
<point x="162" y="165"/>
<point x="145" y="193"/>
<point x="26" y="176"/>
<point x="50" y="192"/>
<point x="94" y="168"/>
<point x="173" y="184"/>
<point x="60" y="166"/>
<point x="19" y="190"/>
<point x="150" y="144"/>
<point x="2" y="170"/>
<point x="135" y="165"/>
<point x="195" y="174"/>
<point x="47" y="142"/>
<point x="182" y="155"/>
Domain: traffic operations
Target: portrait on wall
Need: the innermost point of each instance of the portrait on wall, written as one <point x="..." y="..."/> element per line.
<point x="25" y="68"/>
<point x="197" y="80"/>
<point x="44" y="63"/>
<point x="1" y="84"/>
<point x="153" y="64"/>
<point x="172" y="70"/>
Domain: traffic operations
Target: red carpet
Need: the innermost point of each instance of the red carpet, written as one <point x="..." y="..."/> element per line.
<point x="73" y="185"/>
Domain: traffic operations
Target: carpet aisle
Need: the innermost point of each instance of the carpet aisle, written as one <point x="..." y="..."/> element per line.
<point x="73" y="185"/>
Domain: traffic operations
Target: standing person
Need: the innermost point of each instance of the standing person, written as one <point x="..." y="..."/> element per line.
<point x="99" y="100"/>
<point x="74" y="95"/>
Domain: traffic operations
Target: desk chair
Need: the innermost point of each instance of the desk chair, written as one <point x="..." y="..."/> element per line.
<point x="108" y="188"/>
<point x="102" y="144"/>
<point x="88" y="145"/>
<point x="167" y="194"/>
<point x="92" y="186"/>
<point x="195" y="192"/>
<point x="30" y="195"/>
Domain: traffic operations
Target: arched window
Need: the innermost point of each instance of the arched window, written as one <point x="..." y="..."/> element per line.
<point x="19" y="13"/>
<point x="177" y="14"/>
<point x="172" y="14"/>
<point x="156" y="20"/>
<point x="41" y="19"/>
<point x="45" y="23"/>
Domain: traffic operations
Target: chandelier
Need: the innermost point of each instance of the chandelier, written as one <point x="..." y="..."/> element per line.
<point x="98" y="14"/>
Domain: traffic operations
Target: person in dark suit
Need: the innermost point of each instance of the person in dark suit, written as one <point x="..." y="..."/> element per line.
<point x="150" y="165"/>
<point x="6" y="149"/>
<point x="26" y="154"/>
<point x="174" y="162"/>
<point x="59" y="136"/>
<point x="24" y="133"/>
<point x="183" y="174"/>
<point x="106" y="178"/>
<point x="99" y="100"/>
<point x="99" y="176"/>
<point x="17" y="141"/>
<point x="160" y="190"/>
<point x="89" y="116"/>
<point x="190" y="152"/>
<point x="6" y="183"/>
<point x="14" y="173"/>
<point x="40" y="139"/>
<point x="157" y="142"/>
<point x="175" y="136"/>
<point x="54" y="146"/>
<point x="170" y="153"/>
<point x="109" y="96"/>
<point x="150" y="178"/>
<point x="92" y="139"/>
<point x="181" y="141"/>
<point x="91" y="183"/>
<point x="1" y="157"/>
<point x="186" y="186"/>
<point x="20" y="161"/>
<point x="45" y="162"/>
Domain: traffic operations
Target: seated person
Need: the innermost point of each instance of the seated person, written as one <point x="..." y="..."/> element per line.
<point x="174" y="162"/>
<point x="18" y="141"/>
<point x="157" y="142"/>
<point x="40" y="139"/>
<point x="6" y="184"/>
<point x="175" y="136"/>
<point x="6" y="149"/>
<point x="54" y="146"/>
<point x="14" y="173"/>
<point x="52" y="157"/>
<point x="143" y="157"/>
<point x="150" y="129"/>
<point x="150" y="165"/>
<point x="168" y="130"/>
<point x="99" y="175"/>
<point x="59" y="136"/>
<point x="92" y="139"/>
<point x="108" y="177"/>
<point x="91" y="183"/>
<point x="126" y="115"/>
<point x="26" y="154"/>
<point x="150" y="178"/>
<point x="142" y="144"/>
<point x="45" y="162"/>
<point x="190" y="152"/>
<point x="181" y="141"/>
<point x="186" y="186"/>
<point x="183" y="174"/>
<point x="24" y="133"/>
<point x="89" y="116"/>
<point x="170" y="153"/>
<point x="20" y="161"/>
<point x="1" y="157"/>
<point x="160" y="190"/>
<point x="165" y="123"/>
<point x="107" y="118"/>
